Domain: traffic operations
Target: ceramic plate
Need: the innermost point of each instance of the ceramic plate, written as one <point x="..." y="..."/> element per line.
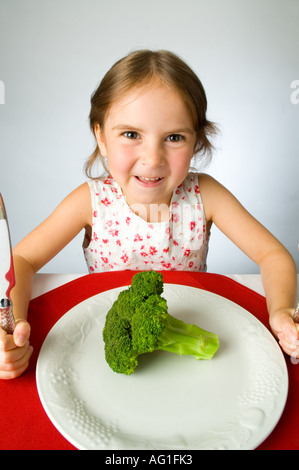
<point x="232" y="401"/>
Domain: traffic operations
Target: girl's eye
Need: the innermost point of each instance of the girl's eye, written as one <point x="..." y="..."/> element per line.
<point x="175" y="138"/>
<point x="130" y="134"/>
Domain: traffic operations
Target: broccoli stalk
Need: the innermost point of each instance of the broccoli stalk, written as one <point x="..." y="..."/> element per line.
<point x="186" y="339"/>
<point x="139" y="323"/>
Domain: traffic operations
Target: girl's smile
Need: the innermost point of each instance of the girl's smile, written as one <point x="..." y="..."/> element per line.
<point x="148" y="182"/>
<point x="149" y="140"/>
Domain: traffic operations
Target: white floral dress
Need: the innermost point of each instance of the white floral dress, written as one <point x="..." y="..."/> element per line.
<point x="121" y="240"/>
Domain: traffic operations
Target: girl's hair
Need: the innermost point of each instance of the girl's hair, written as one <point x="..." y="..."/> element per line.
<point x="140" y="68"/>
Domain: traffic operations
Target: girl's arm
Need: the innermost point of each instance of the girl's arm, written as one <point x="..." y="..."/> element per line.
<point x="30" y="255"/>
<point x="277" y="267"/>
<point x="46" y="241"/>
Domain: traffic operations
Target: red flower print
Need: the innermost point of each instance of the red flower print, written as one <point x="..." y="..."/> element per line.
<point x="95" y="237"/>
<point x="118" y="242"/>
<point x="187" y="252"/>
<point x="166" y="265"/>
<point x="113" y="232"/>
<point x="91" y="268"/>
<point x="105" y="201"/>
<point x="107" y="181"/>
<point x="138" y="238"/>
<point x="105" y="240"/>
<point x="166" y="250"/>
<point x="104" y="259"/>
<point x="128" y="220"/>
<point x="196" y="189"/>
<point x="95" y="213"/>
<point x="109" y="223"/>
<point x="143" y="254"/>
<point x="192" y="225"/>
<point x="191" y="264"/>
<point x="152" y="250"/>
<point x="124" y="258"/>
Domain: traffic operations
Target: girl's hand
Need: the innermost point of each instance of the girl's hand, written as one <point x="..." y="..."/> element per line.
<point x="286" y="330"/>
<point x="15" y="351"/>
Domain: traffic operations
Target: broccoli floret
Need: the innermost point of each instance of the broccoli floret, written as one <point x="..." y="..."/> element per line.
<point x="118" y="342"/>
<point x="139" y="323"/>
<point x="147" y="283"/>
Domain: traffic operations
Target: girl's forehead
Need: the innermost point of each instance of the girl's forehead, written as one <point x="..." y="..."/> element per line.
<point x="145" y="93"/>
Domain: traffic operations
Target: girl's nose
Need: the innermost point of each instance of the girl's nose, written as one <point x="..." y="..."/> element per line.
<point x="153" y="155"/>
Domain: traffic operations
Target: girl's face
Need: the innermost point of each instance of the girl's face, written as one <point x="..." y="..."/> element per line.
<point x="149" y="140"/>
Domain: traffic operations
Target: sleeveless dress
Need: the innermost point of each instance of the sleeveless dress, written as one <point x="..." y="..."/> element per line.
<point x="122" y="240"/>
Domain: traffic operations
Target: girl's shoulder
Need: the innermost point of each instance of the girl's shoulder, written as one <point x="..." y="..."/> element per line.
<point x="214" y="195"/>
<point x="208" y="185"/>
<point x="78" y="203"/>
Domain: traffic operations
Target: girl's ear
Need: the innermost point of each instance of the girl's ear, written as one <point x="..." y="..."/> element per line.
<point x="99" y="135"/>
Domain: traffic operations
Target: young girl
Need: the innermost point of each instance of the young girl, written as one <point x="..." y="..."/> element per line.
<point x="149" y="212"/>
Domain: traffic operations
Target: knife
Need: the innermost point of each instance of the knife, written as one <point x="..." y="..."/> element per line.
<point x="7" y="275"/>
<point x="296" y="313"/>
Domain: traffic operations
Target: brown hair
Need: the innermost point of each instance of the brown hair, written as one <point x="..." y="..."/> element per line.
<point x="141" y="67"/>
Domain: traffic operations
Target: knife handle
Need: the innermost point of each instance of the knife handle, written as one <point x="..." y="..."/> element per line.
<point x="296" y="314"/>
<point x="7" y="321"/>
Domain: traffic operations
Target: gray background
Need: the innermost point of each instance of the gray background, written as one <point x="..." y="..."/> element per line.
<point x="53" y="53"/>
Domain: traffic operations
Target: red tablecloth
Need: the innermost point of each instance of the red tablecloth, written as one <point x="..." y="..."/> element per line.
<point x="23" y="421"/>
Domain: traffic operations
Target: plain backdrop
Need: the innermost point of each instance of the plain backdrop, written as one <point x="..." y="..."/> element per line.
<point x="53" y="54"/>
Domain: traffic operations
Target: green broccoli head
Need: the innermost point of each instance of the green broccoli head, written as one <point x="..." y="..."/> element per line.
<point x="126" y="303"/>
<point x="147" y="324"/>
<point x="147" y="283"/>
<point x="138" y="322"/>
<point x="120" y="355"/>
<point x="119" y="351"/>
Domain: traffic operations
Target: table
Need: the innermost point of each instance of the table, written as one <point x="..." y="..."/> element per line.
<point x="23" y="422"/>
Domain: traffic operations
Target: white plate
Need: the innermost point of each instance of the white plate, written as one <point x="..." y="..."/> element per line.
<point x="232" y="401"/>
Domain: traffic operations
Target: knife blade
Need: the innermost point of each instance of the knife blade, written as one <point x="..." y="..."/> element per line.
<point x="296" y="313"/>
<point x="7" y="275"/>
